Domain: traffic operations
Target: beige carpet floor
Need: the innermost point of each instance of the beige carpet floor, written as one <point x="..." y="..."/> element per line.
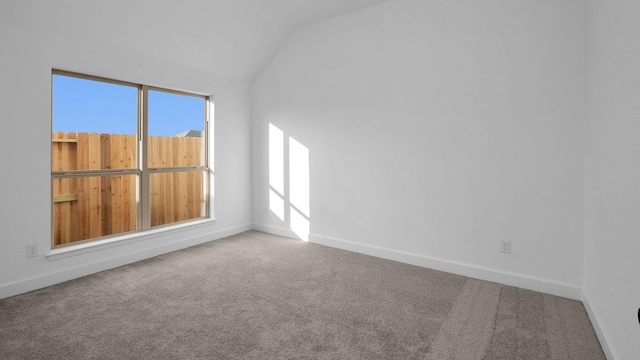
<point x="260" y="296"/>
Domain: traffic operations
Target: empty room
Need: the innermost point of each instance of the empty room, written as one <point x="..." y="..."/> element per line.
<point x="320" y="179"/>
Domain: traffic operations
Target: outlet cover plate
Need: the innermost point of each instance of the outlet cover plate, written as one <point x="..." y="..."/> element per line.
<point x="32" y="250"/>
<point x="505" y="246"/>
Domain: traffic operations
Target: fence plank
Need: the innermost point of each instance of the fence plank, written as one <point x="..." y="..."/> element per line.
<point x="165" y="159"/>
<point x="133" y="184"/>
<point x="168" y="206"/>
<point x="56" y="159"/>
<point x="177" y="203"/>
<point x="152" y="151"/>
<point x="126" y="196"/>
<point x="105" y="151"/>
<point x="199" y="193"/>
<point x="190" y="195"/>
<point x="72" y="188"/>
<point x="95" y="186"/>
<point x="188" y="151"/>
<point x="84" y="187"/>
<point x="115" y="147"/>
<point x="128" y="215"/>
<point x="115" y="155"/>
<point x="62" y="211"/>
<point x="105" y="184"/>
<point x="177" y="183"/>
<point x="198" y="153"/>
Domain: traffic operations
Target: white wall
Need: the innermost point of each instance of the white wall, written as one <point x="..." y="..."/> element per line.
<point x="27" y="58"/>
<point x="435" y="129"/>
<point x="612" y="174"/>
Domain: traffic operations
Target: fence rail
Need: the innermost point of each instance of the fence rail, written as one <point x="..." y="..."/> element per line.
<point x="94" y="206"/>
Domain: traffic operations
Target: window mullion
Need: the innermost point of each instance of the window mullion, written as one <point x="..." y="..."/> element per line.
<point x="208" y="144"/>
<point x="145" y="193"/>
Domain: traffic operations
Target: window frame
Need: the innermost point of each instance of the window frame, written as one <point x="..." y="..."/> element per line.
<point x="142" y="171"/>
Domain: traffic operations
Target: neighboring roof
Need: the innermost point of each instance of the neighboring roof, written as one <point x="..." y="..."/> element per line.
<point x="190" y="133"/>
<point x="232" y="39"/>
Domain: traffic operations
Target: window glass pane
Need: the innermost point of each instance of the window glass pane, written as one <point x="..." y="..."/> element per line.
<point x="90" y="207"/>
<point x="175" y="130"/>
<point x="94" y="124"/>
<point x="177" y="196"/>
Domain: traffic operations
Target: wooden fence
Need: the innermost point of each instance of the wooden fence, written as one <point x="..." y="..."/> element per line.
<point x="90" y="207"/>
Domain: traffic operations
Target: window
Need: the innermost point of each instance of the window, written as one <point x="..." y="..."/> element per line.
<point x="125" y="157"/>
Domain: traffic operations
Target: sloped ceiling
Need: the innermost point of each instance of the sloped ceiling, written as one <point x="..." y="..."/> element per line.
<point x="228" y="38"/>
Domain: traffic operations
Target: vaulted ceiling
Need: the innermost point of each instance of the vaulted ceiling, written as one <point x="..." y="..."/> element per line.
<point x="228" y="38"/>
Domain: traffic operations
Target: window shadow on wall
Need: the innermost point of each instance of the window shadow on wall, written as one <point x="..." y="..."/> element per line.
<point x="289" y="182"/>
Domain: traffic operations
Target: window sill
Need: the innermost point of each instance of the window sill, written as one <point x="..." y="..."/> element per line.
<point x="91" y="246"/>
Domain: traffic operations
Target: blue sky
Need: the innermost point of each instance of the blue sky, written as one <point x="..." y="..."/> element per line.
<point x="81" y="105"/>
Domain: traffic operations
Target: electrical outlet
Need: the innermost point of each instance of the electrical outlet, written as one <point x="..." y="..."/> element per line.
<point x="265" y="210"/>
<point x="505" y="246"/>
<point x="32" y="250"/>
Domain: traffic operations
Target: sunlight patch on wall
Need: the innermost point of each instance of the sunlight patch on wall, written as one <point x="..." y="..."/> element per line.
<point x="276" y="159"/>
<point x="276" y="171"/>
<point x="276" y="204"/>
<point x="300" y="224"/>
<point x="289" y="182"/>
<point x="299" y="188"/>
<point x="299" y="176"/>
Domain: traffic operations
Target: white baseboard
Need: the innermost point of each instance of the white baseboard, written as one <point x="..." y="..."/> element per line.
<point x="600" y="332"/>
<point x="276" y="230"/>
<point x="519" y="280"/>
<point x="44" y="280"/>
<point x="513" y="279"/>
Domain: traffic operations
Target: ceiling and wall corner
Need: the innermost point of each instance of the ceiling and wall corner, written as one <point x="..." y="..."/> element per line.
<point x="228" y="39"/>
